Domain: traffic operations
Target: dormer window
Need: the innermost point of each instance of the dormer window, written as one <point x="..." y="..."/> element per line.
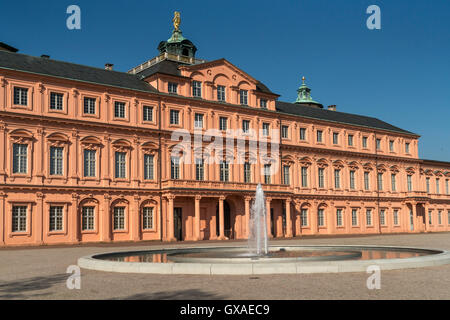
<point x="220" y="93"/>
<point x="196" y="89"/>
<point x="172" y="87"/>
<point x="263" y="103"/>
<point x="243" y="95"/>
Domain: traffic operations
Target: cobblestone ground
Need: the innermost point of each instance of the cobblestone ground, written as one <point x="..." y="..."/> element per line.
<point x="40" y="273"/>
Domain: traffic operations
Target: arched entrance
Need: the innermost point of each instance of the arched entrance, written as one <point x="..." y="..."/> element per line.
<point x="228" y="229"/>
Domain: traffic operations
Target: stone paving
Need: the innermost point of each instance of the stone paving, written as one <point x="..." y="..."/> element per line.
<point x="40" y="273"/>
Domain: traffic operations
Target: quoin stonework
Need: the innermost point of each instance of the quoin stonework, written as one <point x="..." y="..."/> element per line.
<point x="93" y="155"/>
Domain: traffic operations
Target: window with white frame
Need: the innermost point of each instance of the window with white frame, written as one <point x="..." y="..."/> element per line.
<point x="19" y="218"/>
<point x="369" y="217"/>
<point x="378" y="144"/>
<point x="321" y="218"/>
<point x="20" y="158"/>
<point x="337" y="178"/>
<point x="391" y="145"/>
<point x="243" y="97"/>
<point x="440" y="217"/>
<point x="427" y="182"/>
<point x="224" y="171"/>
<point x="247" y="172"/>
<point x="304" y="217"/>
<point x="199" y="169"/>
<point x="354" y="217"/>
<point x="174" y="117"/>
<point x="286" y="178"/>
<point x="147" y="113"/>
<point x="395" y="213"/>
<point x="285" y="132"/>
<point x="196" y="89"/>
<point x="303" y="134"/>
<point x="89" y="105"/>
<point x="407" y="147"/>
<point x="89" y="163"/>
<point x="56" y="101"/>
<point x="56" y="218"/>
<point x="409" y="182"/>
<point x="352" y="179"/>
<point x="20" y="96"/>
<point x="119" y="218"/>
<point x="198" y="121"/>
<point x="319" y="135"/>
<point x="148" y="167"/>
<point x="350" y="140"/>
<point x="447" y="191"/>
<point x="87" y="218"/>
<point x="393" y="182"/>
<point x="120" y="158"/>
<point x="175" y="168"/>
<point x="366" y="181"/>
<point x="172" y="87"/>
<point x="437" y="186"/>
<point x="382" y="217"/>
<point x="265" y="129"/>
<point x="304" y="173"/>
<point x="119" y="109"/>
<point x="223" y="123"/>
<point x="56" y="161"/>
<point x="221" y="93"/>
<point x="147" y="218"/>
<point x="364" y="142"/>
<point x="267" y="173"/>
<point x="321" y="178"/>
<point x="335" y="138"/>
<point x="339" y="217"/>
<point x="448" y="217"/>
<point x="263" y="103"/>
<point x="380" y="181"/>
<point x="246" y="126"/>
<point x="430" y="217"/>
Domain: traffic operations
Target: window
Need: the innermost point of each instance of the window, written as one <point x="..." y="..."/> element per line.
<point x="56" y="218"/>
<point x="265" y="129"/>
<point x="175" y="168"/>
<point x="335" y="138"/>
<point x="409" y="182"/>
<point x="223" y="121"/>
<point x="147" y="113"/>
<point x="172" y="87"/>
<point x="221" y="93"/>
<point x="89" y="163"/>
<point x="56" y="161"/>
<point x="303" y="134"/>
<point x="119" y="218"/>
<point x="319" y="135"/>
<point x="89" y="105"/>
<point x="354" y="217"/>
<point x="56" y="101"/>
<point x="20" y="158"/>
<point x="382" y="218"/>
<point x="224" y="171"/>
<point x="304" y="177"/>
<point x="321" y="178"/>
<point x="378" y="144"/>
<point x="321" y="218"/>
<point x="339" y="217"/>
<point x="391" y="145"/>
<point x="448" y="217"/>
<point x="364" y="142"/>
<point x="147" y="218"/>
<point x="247" y="173"/>
<point x="380" y="181"/>
<point x="393" y="184"/>
<point x="243" y="97"/>
<point x="119" y="109"/>
<point x="174" y="117"/>
<point x="350" y="140"/>
<point x="439" y="217"/>
<point x="407" y="147"/>
<point x="196" y="89"/>
<point x="396" y="217"/>
<point x="337" y="178"/>
<point x="120" y="164"/>
<point x="437" y="186"/>
<point x="267" y="173"/>
<point x="286" y="179"/>
<point x="369" y="217"/>
<point x="19" y="219"/>
<point x="428" y="185"/>
<point x="430" y="217"/>
<point x="352" y="179"/>
<point x="20" y="96"/>
<point x="304" y="217"/>
<point x="245" y="126"/>
<point x="199" y="169"/>
<point x="284" y="132"/>
<point x="446" y="187"/>
<point x="198" y="121"/>
<point x="366" y="181"/>
<point x="87" y="218"/>
<point x="263" y="103"/>
<point x="148" y="167"/>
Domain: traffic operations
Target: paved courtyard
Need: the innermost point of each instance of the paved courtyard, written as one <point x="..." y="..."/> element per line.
<point x="40" y="273"/>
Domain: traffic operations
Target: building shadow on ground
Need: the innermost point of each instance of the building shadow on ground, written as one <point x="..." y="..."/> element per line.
<point x="28" y="288"/>
<point x="191" y="294"/>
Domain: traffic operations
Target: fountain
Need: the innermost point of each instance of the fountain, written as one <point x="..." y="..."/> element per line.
<point x="257" y="239"/>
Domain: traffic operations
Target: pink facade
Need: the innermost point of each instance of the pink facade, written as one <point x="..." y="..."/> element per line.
<point x="44" y="204"/>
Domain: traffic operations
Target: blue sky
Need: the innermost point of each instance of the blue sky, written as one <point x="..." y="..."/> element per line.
<point x="400" y="74"/>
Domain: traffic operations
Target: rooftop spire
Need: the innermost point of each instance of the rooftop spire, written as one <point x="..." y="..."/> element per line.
<point x="304" y="95"/>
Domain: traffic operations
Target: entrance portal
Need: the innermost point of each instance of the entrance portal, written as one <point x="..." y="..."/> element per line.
<point x="178" y="223"/>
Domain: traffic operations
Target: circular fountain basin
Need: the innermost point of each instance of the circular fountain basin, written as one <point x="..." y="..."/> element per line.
<point x="281" y="259"/>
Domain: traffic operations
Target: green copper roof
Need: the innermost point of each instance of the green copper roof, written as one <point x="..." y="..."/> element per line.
<point x="176" y="37"/>
<point x="304" y="94"/>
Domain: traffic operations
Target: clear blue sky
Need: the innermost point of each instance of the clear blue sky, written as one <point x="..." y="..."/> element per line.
<point x="400" y="74"/>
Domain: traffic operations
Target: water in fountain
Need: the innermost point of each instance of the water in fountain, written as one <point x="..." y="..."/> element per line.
<point x="257" y="239"/>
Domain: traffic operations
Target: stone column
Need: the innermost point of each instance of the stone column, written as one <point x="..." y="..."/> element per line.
<point x="74" y="225"/>
<point x="135" y="161"/>
<point x="427" y="218"/>
<point x="298" y="226"/>
<point x="135" y="215"/>
<point x="330" y="221"/>
<point x="2" y="218"/>
<point x="314" y="217"/>
<point x="414" y="210"/>
<point x="105" y="219"/>
<point x="197" y="218"/>
<point x="39" y="153"/>
<point x="105" y="156"/>
<point x="268" y="220"/>
<point x="247" y="215"/>
<point x="221" y="219"/>
<point x="3" y="154"/>
<point x="38" y="220"/>
<point x="170" y="217"/>
<point x="74" y="155"/>
<point x="288" y="219"/>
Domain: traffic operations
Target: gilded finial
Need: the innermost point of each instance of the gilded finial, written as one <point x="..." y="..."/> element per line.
<point x="176" y="20"/>
<point x="303" y="79"/>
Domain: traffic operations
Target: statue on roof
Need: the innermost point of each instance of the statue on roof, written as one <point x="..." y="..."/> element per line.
<point x="176" y="21"/>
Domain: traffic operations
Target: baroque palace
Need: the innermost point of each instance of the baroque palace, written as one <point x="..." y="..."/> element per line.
<point x="87" y="156"/>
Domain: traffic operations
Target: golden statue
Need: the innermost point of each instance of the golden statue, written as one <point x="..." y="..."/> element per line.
<point x="176" y="21"/>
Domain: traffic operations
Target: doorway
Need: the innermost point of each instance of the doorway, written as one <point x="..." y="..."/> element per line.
<point x="178" y="223"/>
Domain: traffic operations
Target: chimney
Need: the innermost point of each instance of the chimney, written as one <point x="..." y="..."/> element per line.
<point x="332" y="107"/>
<point x="45" y="56"/>
<point x="109" y="66"/>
